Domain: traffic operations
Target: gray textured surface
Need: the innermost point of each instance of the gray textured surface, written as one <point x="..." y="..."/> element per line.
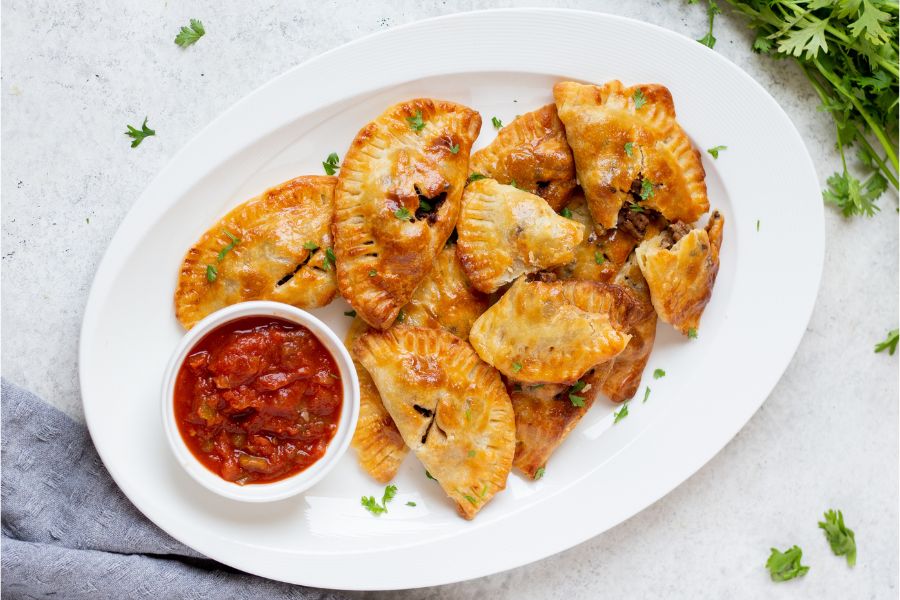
<point x="75" y="73"/>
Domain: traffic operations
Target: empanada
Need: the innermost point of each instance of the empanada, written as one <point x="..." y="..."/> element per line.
<point x="545" y="415"/>
<point x="451" y="409"/>
<point x="446" y="298"/>
<point x="532" y="154"/>
<point x="272" y="247"/>
<point x="379" y="447"/>
<point x="620" y="378"/>
<point x="505" y="232"/>
<point x="629" y="150"/>
<point x="680" y="266"/>
<point x="554" y="332"/>
<point x="397" y="201"/>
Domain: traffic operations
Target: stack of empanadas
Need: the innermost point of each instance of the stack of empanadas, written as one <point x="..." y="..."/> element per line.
<point x="498" y="295"/>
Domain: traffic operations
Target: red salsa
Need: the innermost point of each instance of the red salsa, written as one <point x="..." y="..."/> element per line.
<point x="258" y="399"/>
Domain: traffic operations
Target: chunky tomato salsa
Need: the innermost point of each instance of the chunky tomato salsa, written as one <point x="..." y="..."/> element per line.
<point x="258" y="399"/>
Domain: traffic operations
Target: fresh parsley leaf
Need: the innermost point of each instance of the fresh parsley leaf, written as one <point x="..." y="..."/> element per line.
<point x="474" y="177"/>
<point x="692" y="333"/>
<point x="620" y="414"/>
<point x="189" y="35"/>
<point x="853" y="197"/>
<point x="712" y="10"/>
<point x="350" y="313"/>
<point x="471" y="453"/>
<point x="311" y="246"/>
<point x="331" y="164"/>
<point x="565" y="212"/>
<point x="579" y="385"/>
<point x="415" y="122"/>
<point x="889" y="343"/>
<point x="389" y="493"/>
<point x="633" y="207"/>
<point x="714" y="151"/>
<point x="647" y="190"/>
<point x="234" y="242"/>
<point x="371" y="505"/>
<point x="629" y="148"/>
<point x="471" y="499"/>
<point x="539" y="473"/>
<point x="599" y="257"/>
<point x="639" y="99"/>
<point x="211" y="273"/>
<point x="401" y="316"/>
<point x="454" y="149"/>
<point x="372" y="272"/>
<point x="646" y="393"/>
<point x="762" y="45"/>
<point x="840" y="538"/>
<point x="329" y="259"/>
<point x="576" y="400"/>
<point x="516" y="367"/>
<point x="138" y="135"/>
<point x="497" y="123"/>
<point x="658" y="374"/>
<point x="410" y="503"/>
<point x="402" y="214"/>
<point x="784" y="566"/>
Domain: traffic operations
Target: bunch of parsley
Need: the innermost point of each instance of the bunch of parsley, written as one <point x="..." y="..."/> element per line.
<point x="848" y="50"/>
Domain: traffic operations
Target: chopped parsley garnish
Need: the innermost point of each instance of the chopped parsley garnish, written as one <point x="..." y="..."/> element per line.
<point x="714" y="151"/>
<point x="635" y="207"/>
<point x="402" y="214"/>
<point x="425" y="206"/>
<point x="840" y="538"/>
<point x="137" y="135"/>
<point x="234" y="242"/>
<point x="310" y="246"/>
<point x="539" y="473"/>
<point x="211" y="273"/>
<point x="329" y="259"/>
<point x="692" y="333"/>
<point x="350" y="313"/>
<point x="483" y="491"/>
<point x="372" y="272"/>
<point x="646" y="394"/>
<point x="629" y="148"/>
<point x="620" y="414"/>
<point x="599" y="258"/>
<point x="516" y="367"/>
<point x="454" y="149"/>
<point x="410" y="503"/>
<point x="566" y="212"/>
<point x="579" y="385"/>
<point x="474" y="177"/>
<point x="471" y="453"/>
<point x="401" y="316"/>
<point x="889" y="343"/>
<point x="430" y="476"/>
<point x="639" y="99"/>
<point x="373" y="506"/>
<point x="468" y="414"/>
<point x="646" y="189"/>
<point x="658" y="374"/>
<point x="497" y="123"/>
<point x="709" y="39"/>
<point x="331" y="164"/>
<point x="786" y="565"/>
<point x="471" y="499"/>
<point x="576" y="400"/>
<point x="189" y="35"/>
<point x="416" y="123"/>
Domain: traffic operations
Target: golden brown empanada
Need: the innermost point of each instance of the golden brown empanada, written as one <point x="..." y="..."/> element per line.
<point x="379" y="447"/>
<point x="505" y="232"/>
<point x="620" y="378"/>
<point x="554" y="332"/>
<point x="272" y="247"/>
<point x="397" y="201"/>
<point x="532" y="154"/>
<point x="629" y="150"/>
<point x="545" y="415"/>
<point x="446" y="298"/>
<point x="450" y="407"/>
<point x="680" y="266"/>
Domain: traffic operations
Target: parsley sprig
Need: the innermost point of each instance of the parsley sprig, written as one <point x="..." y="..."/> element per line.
<point x="889" y="343"/>
<point x="712" y="10"/>
<point x="373" y="506"/>
<point x="137" y="135"/>
<point x="331" y="164"/>
<point x="190" y="35"/>
<point x="784" y="566"/>
<point x="415" y="122"/>
<point x="840" y="538"/>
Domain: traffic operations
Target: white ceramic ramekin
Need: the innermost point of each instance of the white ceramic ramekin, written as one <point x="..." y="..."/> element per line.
<point x="295" y="484"/>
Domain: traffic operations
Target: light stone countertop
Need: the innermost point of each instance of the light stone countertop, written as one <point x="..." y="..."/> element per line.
<point x="74" y="73"/>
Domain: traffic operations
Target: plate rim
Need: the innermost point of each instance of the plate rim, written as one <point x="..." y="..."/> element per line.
<point x="108" y="262"/>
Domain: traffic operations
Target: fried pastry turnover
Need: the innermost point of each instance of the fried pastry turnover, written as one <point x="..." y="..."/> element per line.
<point x="450" y="407"/>
<point x="531" y="153"/>
<point x="505" y="232"/>
<point x="630" y="150"/>
<point x="397" y="201"/>
<point x="541" y="332"/>
<point x="272" y="247"/>
<point x="680" y="266"/>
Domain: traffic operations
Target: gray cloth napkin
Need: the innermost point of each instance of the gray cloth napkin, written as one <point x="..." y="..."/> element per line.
<point x="68" y="532"/>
